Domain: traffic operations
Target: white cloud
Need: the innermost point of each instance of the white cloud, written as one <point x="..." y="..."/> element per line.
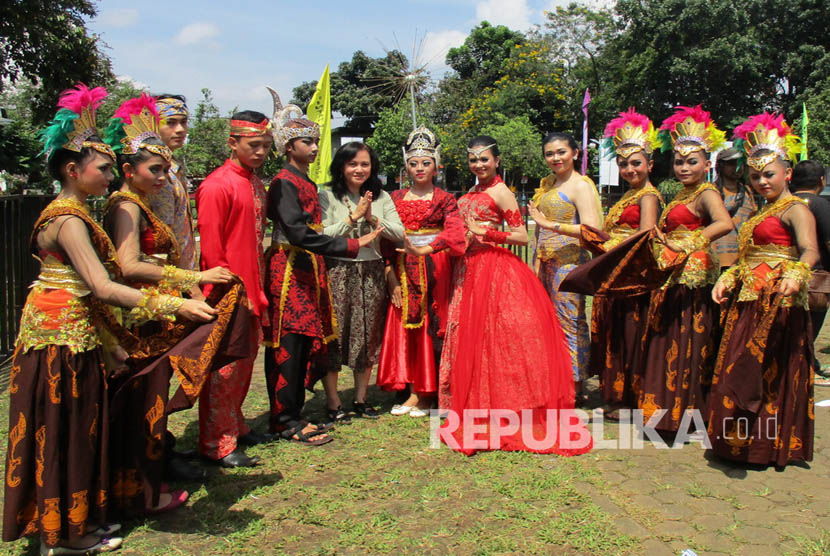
<point x="128" y="79"/>
<point x="118" y="18"/>
<point x="196" y="32"/>
<point x="436" y="45"/>
<point x="512" y="13"/>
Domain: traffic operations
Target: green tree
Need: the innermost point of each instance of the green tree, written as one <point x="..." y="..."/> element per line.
<point x="207" y="138"/>
<point x="48" y="43"/>
<point x="577" y="36"/>
<point x="390" y="133"/>
<point x="481" y="57"/>
<point x="19" y="145"/>
<point x="360" y="88"/>
<point x="520" y="147"/>
<point x="119" y="91"/>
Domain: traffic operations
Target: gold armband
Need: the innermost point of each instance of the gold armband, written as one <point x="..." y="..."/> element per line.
<point x="154" y="306"/>
<point x="730" y="277"/>
<point x="798" y="271"/>
<point x="179" y="279"/>
<point x="693" y="241"/>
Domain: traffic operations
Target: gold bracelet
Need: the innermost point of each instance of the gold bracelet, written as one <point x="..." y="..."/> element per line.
<point x="798" y="271"/>
<point x="729" y="278"/>
<point x="153" y="306"/>
<point x="179" y="279"/>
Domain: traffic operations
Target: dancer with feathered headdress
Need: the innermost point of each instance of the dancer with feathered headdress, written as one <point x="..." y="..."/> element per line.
<point x="617" y="324"/>
<point x="679" y="351"/>
<point x="57" y="463"/>
<point x="149" y="257"/>
<point x="761" y="408"/>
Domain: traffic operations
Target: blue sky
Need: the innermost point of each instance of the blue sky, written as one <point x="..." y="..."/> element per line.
<point x="236" y="50"/>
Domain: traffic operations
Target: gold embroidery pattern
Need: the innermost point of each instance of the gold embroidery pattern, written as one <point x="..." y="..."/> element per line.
<point x="51" y="520"/>
<point x="163" y="237"/>
<point x="737" y="436"/>
<point x="422" y="275"/>
<point x="621" y="232"/>
<point x="28" y="515"/>
<point x="79" y="511"/>
<point x="153" y="444"/>
<point x="72" y="327"/>
<point x="16" y="435"/>
<point x="40" y="460"/>
<point x="125" y="485"/>
<point x="649" y="406"/>
<point x="191" y="373"/>
<point x="53" y="379"/>
<point x="671" y="374"/>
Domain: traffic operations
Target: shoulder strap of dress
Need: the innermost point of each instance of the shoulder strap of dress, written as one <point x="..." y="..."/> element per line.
<point x="69" y="207"/>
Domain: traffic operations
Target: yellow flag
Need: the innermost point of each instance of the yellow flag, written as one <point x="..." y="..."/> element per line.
<point x="319" y="111"/>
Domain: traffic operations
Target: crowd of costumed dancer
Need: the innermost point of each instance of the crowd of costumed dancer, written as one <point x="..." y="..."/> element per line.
<point x="730" y="353"/>
<point x="415" y="282"/>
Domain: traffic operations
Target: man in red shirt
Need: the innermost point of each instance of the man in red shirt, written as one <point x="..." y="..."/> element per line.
<point x="231" y="206"/>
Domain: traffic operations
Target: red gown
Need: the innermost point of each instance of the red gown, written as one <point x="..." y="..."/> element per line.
<point x="504" y="350"/>
<point x="413" y="337"/>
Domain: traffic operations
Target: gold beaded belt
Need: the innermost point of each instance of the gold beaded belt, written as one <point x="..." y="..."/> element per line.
<point x="57" y="276"/>
<point x="771" y="254"/>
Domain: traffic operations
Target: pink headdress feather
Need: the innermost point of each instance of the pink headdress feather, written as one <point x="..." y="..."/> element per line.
<point x="690" y="129"/>
<point x="632" y="117"/>
<point x="767" y="121"/>
<point x="697" y="113"/>
<point x="134" y="106"/>
<point x="82" y="97"/>
<point x="766" y="132"/>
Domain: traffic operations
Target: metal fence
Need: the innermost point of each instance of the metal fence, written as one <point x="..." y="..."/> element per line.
<point x="18" y="268"/>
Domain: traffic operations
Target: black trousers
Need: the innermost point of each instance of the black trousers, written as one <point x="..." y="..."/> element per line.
<point x="286" y="379"/>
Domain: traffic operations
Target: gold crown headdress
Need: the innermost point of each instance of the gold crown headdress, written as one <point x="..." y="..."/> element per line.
<point x="629" y="133"/>
<point x="136" y="121"/>
<point x="289" y="123"/>
<point x="422" y="142"/>
<point x="689" y="130"/>
<point x="766" y="132"/>
<point x="74" y="122"/>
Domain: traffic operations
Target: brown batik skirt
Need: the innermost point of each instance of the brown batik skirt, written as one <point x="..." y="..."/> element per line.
<point x="56" y="461"/>
<point x="360" y="298"/>
<point x="761" y="406"/>
<point x="617" y="328"/>
<point x="679" y="357"/>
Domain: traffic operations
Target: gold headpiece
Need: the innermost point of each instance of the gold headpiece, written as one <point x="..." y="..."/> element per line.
<point x="766" y="132"/>
<point x="136" y="121"/>
<point x="689" y="130"/>
<point x="74" y="123"/>
<point x="422" y="142"/>
<point x="629" y="133"/>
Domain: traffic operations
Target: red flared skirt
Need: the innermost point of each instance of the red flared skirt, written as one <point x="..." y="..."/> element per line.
<point x="507" y="362"/>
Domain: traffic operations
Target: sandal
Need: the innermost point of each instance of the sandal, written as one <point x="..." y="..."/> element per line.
<point x="105" y="544"/>
<point x="338" y="417"/>
<point x="362" y="409"/>
<point x="177" y="498"/>
<point x="293" y="432"/>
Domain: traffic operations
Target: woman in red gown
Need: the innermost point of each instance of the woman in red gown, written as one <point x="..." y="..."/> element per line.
<point x="419" y="281"/>
<point x="505" y="374"/>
